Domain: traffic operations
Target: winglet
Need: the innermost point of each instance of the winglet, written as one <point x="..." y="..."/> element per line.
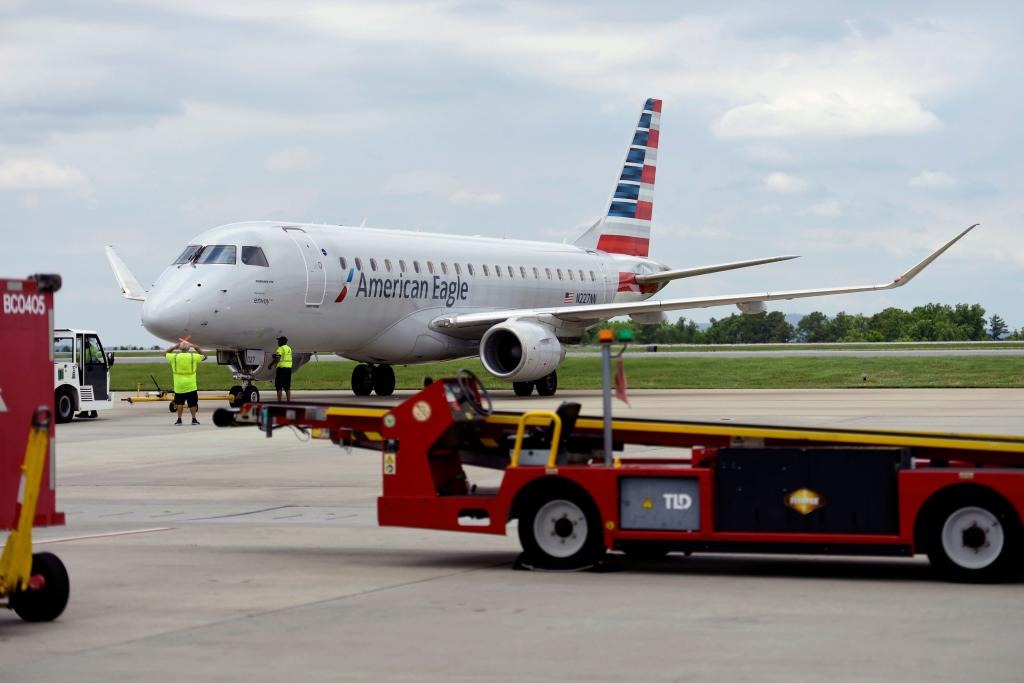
<point x="910" y="274"/>
<point x="130" y="287"/>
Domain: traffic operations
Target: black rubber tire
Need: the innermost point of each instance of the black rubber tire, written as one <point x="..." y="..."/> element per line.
<point x="570" y="513"/>
<point x="384" y="380"/>
<point x="362" y="382"/>
<point x="522" y="388"/>
<point x="250" y="394"/>
<point x="235" y="391"/>
<point x="974" y="537"/>
<point x="47" y="603"/>
<point x="63" y="405"/>
<point x="172" y="407"/>
<point x="548" y="384"/>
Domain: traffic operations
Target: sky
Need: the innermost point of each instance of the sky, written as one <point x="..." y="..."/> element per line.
<point x="858" y="135"/>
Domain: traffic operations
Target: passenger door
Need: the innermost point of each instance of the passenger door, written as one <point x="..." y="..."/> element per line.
<point x="313" y="258"/>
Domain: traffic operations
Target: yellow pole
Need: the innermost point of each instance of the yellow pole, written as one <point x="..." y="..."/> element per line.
<point x="16" y="561"/>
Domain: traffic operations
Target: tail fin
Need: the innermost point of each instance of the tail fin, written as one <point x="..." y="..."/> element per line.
<point x="626" y="226"/>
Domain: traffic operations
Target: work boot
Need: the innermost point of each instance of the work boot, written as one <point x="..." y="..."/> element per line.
<point x="177" y="423"/>
<point x="195" y="421"/>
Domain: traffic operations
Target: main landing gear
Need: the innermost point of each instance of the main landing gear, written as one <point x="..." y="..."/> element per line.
<point x="546" y="386"/>
<point x="368" y="378"/>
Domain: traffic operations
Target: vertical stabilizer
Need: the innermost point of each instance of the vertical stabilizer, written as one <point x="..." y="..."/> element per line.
<point x="625" y="227"/>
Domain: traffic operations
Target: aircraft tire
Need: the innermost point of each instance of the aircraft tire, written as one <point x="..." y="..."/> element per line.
<point x="64" y="406"/>
<point x="362" y="383"/>
<point x="250" y="394"/>
<point x="522" y="388"/>
<point x="384" y="380"/>
<point x="548" y="384"/>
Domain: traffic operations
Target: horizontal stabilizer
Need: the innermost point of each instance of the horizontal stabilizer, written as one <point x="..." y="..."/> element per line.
<point x="130" y="287"/>
<point x="669" y="275"/>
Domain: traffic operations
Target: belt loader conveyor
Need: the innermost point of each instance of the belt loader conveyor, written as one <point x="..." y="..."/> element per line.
<point x="746" y="488"/>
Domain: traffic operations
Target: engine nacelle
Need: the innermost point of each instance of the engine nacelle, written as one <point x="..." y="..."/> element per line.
<point x="751" y="307"/>
<point x="521" y="351"/>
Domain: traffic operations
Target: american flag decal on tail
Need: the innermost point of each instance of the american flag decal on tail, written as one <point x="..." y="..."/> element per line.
<point x="625" y="227"/>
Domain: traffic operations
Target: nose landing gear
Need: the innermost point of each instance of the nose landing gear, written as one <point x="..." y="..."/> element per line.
<point x="368" y="378"/>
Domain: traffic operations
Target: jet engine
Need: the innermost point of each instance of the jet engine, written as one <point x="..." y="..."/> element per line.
<point x="520" y="351"/>
<point x="751" y="307"/>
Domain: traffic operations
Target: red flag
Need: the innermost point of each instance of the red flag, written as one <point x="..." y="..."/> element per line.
<point x="620" y="381"/>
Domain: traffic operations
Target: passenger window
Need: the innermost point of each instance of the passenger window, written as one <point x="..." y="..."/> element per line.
<point x="582" y="276"/>
<point x="189" y="252"/>
<point x="416" y="266"/>
<point x="359" y="263"/>
<point x="536" y="273"/>
<point x="592" y="278"/>
<point x="548" y="271"/>
<point x="570" y="275"/>
<point x="470" y="268"/>
<point x="497" y="271"/>
<point x="487" y="271"/>
<point x="344" y="263"/>
<point x="444" y="267"/>
<point x="253" y="256"/>
<point x="522" y="271"/>
<point x="222" y="254"/>
<point x="373" y="265"/>
<point x="430" y="267"/>
<point x="511" y="272"/>
<point x="387" y="264"/>
<point x="559" y="271"/>
<point x="458" y="269"/>
<point x="401" y="266"/>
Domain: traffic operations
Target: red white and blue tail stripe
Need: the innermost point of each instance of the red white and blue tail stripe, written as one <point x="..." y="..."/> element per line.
<point x="626" y="225"/>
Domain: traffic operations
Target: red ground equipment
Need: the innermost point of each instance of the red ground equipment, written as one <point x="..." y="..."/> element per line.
<point x="35" y="586"/>
<point x="743" y="488"/>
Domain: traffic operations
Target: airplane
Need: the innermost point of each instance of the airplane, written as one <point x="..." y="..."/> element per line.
<point x="386" y="297"/>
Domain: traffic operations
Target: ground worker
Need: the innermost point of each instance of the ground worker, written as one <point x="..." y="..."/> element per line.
<point x="283" y="362"/>
<point x="185" y="358"/>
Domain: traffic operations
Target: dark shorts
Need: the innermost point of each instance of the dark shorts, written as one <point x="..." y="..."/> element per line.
<point x="189" y="397"/>
<point x="283" y="379"/>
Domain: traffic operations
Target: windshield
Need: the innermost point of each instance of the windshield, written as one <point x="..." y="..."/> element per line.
<point x="189" y="252"/>
<point x="217" y="253"/>
<point x="253" y="256"/>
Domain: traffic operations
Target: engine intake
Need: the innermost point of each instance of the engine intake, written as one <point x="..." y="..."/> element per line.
<point x="521" y="351"/>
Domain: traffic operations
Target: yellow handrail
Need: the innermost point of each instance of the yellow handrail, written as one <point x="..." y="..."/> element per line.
<point x="537" y="417"/>
<point x="16" y="561"/>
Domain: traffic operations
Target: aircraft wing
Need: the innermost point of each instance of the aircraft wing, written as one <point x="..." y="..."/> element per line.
<point x="596" y="312"/>
<point x="130" y="287"/>
<point x="669" y="275"/>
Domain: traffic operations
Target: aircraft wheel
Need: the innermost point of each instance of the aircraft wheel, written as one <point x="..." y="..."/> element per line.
<point x="64" y="405"/>
<point x="561" y="529"/>
<point x="250" y="394"/>
<point x="362" y="382"/>
<point x="522" y="388"/>
<point x="235" y="390"/>
<point x="46" y="602"/>
<point x="384" y="380"/>
<point x="548" y="384"/>
<point x="974" y="537"/>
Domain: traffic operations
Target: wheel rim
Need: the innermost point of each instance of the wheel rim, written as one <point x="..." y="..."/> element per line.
<point x="560" y="528"/>
<point x="972" y="537"/>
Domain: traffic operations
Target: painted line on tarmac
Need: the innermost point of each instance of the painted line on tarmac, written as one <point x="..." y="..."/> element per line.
<point x="111" y="534"/>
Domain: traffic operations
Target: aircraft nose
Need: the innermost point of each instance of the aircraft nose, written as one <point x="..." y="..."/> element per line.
<point x="166" y="317"/>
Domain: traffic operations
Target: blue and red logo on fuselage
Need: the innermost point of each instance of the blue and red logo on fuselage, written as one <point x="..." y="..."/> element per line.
<point x="344" y="290"/>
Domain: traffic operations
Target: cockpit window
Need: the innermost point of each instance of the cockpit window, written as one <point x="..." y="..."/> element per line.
<point x="189" y="252"/>
<point x="217" y="253"/>
<point x="253" y="256"/>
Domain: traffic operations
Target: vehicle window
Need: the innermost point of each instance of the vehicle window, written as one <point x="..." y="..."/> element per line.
<point x="189" y="252"/>
<point x="511" y="272"/>
<point x="430" y="267"/>
<point x="487" y="271"/>
<point x="254" y="256"/>
<point x="559" y="271"/>
<point x="444" y="268"/>
<point x="592" y="278"/>
<point x="416" y="266"/>
<point x="548" y="271"/>
<point x="373" y="265"/>
<point x="536" y="273"/>
<point x="359" y="263"/>
<point x="522" y="271"/>
<point x="497" y="271"/>
<point x="93" y="351"/>
<point x="223" y="254"/>
<point x="344" y="263"/>
<point x="387" y="264"/>
<point x="458" y="269"/>
<point x="63" y="349"/>
<point x="469" y="267"/>
<point x="570" y="275"/>
<point x="401" y="266"/>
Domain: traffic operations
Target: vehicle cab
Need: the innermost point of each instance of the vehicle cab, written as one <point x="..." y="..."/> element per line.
<point x="81" y="374"/>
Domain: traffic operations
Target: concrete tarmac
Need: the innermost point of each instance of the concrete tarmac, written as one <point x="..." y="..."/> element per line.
<point x="206" y="554"/>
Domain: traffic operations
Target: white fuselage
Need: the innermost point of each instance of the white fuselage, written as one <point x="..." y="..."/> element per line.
<point x="371" y="294"/>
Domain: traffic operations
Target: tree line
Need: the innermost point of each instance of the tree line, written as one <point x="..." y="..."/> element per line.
<point x="931" y="322"/>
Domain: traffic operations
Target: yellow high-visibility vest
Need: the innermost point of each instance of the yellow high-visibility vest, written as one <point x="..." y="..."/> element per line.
<point x="284" y="353"/>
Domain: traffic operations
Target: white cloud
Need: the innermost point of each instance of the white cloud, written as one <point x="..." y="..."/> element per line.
<point x="785" y="183"/>
<point x="291" y="160"/>
<point x="824" y="113"/>
<point x="38" y="174"/>
<point x="829" y="208"/>
<point x="933" y="180"/>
